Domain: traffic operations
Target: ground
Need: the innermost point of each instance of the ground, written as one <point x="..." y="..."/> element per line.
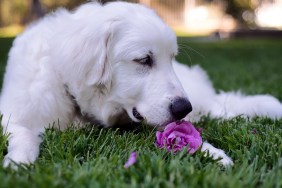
<point x="94" y="157"/>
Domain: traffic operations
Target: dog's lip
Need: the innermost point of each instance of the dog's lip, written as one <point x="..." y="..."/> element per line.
<point x="137" y="115"/>
<point x="162" y="126"/>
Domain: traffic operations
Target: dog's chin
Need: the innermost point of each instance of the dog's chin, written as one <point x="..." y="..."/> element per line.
<point x="162" y="126"/>
<point x="158" y="126"/>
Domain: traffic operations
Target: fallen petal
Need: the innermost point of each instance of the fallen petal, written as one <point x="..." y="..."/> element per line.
<point x="131" y="160"/>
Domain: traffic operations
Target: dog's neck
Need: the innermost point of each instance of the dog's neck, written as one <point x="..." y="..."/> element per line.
<point x="85" y="117"/>
<point x="119" y="118"/>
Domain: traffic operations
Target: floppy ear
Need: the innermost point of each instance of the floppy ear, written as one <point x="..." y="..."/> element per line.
<point x="85" y="52"/>
<point x="99" y="69"/>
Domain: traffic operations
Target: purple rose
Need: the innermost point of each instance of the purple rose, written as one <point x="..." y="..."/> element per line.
<point x="177" y="135"/>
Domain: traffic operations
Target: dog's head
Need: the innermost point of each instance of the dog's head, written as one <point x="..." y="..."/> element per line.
<point x="132" y="65"/>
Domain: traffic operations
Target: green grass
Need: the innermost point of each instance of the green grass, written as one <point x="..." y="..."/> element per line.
<point x="93" y="157"/>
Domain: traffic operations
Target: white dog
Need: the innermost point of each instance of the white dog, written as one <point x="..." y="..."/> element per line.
<point x="107" y="65"/>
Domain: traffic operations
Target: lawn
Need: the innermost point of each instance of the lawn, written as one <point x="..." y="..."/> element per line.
<point x="93" y="157"/>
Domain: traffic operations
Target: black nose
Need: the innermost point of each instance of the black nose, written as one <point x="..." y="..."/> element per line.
<point x="180" y="107"/>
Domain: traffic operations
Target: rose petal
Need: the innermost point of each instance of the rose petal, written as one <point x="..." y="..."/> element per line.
<point x="184" y="128"/>
<point x="169" y="128"/>
<point x="159" y="141"/>
<point x="194" y="145"/>
<point x="179" y="134"/>
<point x="131" y="160"/>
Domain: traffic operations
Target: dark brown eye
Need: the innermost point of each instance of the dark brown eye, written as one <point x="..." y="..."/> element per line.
<point x="145" y="60"/>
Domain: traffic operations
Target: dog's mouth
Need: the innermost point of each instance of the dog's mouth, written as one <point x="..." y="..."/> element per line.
<point x="138" y="118"/>
<point x="137" y="115"/>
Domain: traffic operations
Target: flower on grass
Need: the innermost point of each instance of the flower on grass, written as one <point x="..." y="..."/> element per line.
<point x="178" y="135"/>
<point x="131" y="160"/>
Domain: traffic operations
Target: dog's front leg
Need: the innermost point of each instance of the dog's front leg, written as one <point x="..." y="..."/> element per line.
<point x="23" y="146"/>
<point x="216" y="153"/>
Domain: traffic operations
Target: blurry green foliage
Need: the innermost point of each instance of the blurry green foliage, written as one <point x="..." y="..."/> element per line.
<point x="241" y="10"/>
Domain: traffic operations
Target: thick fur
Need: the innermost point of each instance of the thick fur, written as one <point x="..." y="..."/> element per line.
<point x="206" y="101"/>
<point x="81" y="66"/>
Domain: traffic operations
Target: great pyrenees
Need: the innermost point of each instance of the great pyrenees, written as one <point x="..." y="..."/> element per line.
<point x="107" y="64"/>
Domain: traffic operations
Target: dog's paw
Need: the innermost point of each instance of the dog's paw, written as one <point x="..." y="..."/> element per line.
<point x="216" y="154"/>
<point x="23" y="146"/>
<point x="225" y="160"/>
<point x="15" y="158"/>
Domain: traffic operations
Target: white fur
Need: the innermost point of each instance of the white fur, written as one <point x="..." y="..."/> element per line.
<point x="216" y="153"/>
<point x="89" y="54"/>
<point x="206" y="101"/>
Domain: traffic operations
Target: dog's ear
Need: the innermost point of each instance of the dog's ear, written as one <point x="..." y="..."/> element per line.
<point x="85" y="51"/>
<point x="99" y="72"/>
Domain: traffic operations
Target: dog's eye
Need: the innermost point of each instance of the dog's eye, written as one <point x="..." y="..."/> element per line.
<point x="145" y="60"/>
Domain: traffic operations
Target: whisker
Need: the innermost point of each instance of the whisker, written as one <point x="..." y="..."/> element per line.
<point x="184" y="48"/>
<point x="186" y="53"/>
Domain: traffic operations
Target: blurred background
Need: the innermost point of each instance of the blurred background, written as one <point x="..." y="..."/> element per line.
<point x="221" y="18"/>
